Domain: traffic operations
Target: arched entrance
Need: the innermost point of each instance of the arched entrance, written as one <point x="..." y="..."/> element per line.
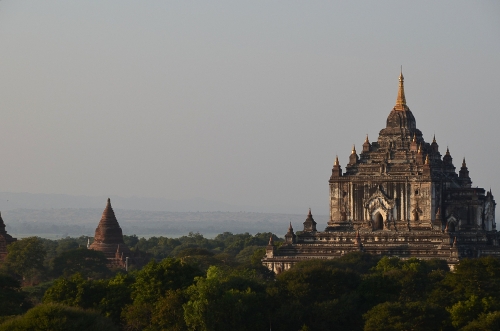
<point x="378" y="222"/>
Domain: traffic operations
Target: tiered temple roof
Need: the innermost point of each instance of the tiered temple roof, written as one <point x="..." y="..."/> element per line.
<point x="109" y="238"/>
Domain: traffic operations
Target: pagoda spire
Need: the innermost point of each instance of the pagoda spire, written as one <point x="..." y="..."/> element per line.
<point x="401" y="100"/>
<point x="108" y="236"/>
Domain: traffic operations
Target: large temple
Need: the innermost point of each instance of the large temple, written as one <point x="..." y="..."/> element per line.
<point x="398" y="197"/>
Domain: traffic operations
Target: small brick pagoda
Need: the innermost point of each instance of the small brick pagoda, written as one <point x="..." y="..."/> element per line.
<point x="398" y="197"/>
<point x="5" y="239"/>
<point x="109" y="238"/>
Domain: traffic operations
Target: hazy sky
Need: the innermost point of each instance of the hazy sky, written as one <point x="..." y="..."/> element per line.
<point x="242" y="102"/>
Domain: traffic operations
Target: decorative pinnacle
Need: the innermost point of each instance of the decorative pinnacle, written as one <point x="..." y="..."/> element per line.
<point x="414" y="137"/>
<point x="447" y="151"/>
<point x="353" y="149"/>
<point x="310" y="214"/>
<point x="464" y="165"/>
<point x="366" y="140"/>
<point x="271" y="241"/>
<point x="427" y="159"/>
<point x="434" y="139"/>
<point x="336" y="160"/>
<point x="290" y="227"/>
<point x="401" y="99"/>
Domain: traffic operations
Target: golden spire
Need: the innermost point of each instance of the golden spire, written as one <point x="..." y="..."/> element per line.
<point x="353" y="149"/>
<point x="427" y="159"/>
<point x="401" y="100"/>
<point x="366" y="140"/>
<point x="336" y="160"/>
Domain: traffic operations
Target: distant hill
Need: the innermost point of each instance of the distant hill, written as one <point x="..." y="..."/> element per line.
<point x="57" y="223"/>
<point x="13" y="200"/>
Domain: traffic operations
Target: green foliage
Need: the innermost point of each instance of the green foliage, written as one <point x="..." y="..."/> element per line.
<point x="87" y="262"/>
<point x="485" y="322"/>
<point x="257" y="256"/>
<point x="195" y="251"/>
<point x="397" y="316"/>
<point x="12" y="299"/>
<point x="228" y="243"/>
<point x="56" y="247"/>
<point x="156" y="278"/>
<point x="57" y="317"/>
<point x="224" y="301"/>
<point x="152" y="284"/>
<point x="118" y="294"/>
<point x="26" y="257"/>
<point x="355" y="292"/>
<point x="246" y="254"/>
<point x="75" y="291"/>
<point x="318" y="294"/>
<point x="468" y="310"/>
<point x="131" y="241"/>
<point x="35" y="293"/>
<point x="480" y="277"/>
<point x="107" y="296"/>
<point x="168" y="313"/>
<point x="66" y="244"/>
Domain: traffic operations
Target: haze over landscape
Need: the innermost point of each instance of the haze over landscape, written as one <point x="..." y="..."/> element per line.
<point x="221" y="107"/>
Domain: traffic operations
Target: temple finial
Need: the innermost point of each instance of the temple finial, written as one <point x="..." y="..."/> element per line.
<point x="310" y="214"/>
<point x="336" y="160"/>
<point x="366" y="140"/>
<point x="427" y="159"/>
<point x="463" y="163"/>
<point x="353" y="149"/>
<point x="401" y="100"/>
<point x="434" y="139"/>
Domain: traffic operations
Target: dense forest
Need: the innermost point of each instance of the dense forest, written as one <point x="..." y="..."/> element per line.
<point x="195" y="283"/>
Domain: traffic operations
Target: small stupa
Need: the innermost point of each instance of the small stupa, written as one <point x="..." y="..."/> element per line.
<point x="5" y="239"/>
<point x="109" y="238"/>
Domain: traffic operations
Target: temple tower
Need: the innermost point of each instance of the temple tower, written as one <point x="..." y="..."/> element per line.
<point x="398" y="197"/>
<point x="109" y="238"/>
